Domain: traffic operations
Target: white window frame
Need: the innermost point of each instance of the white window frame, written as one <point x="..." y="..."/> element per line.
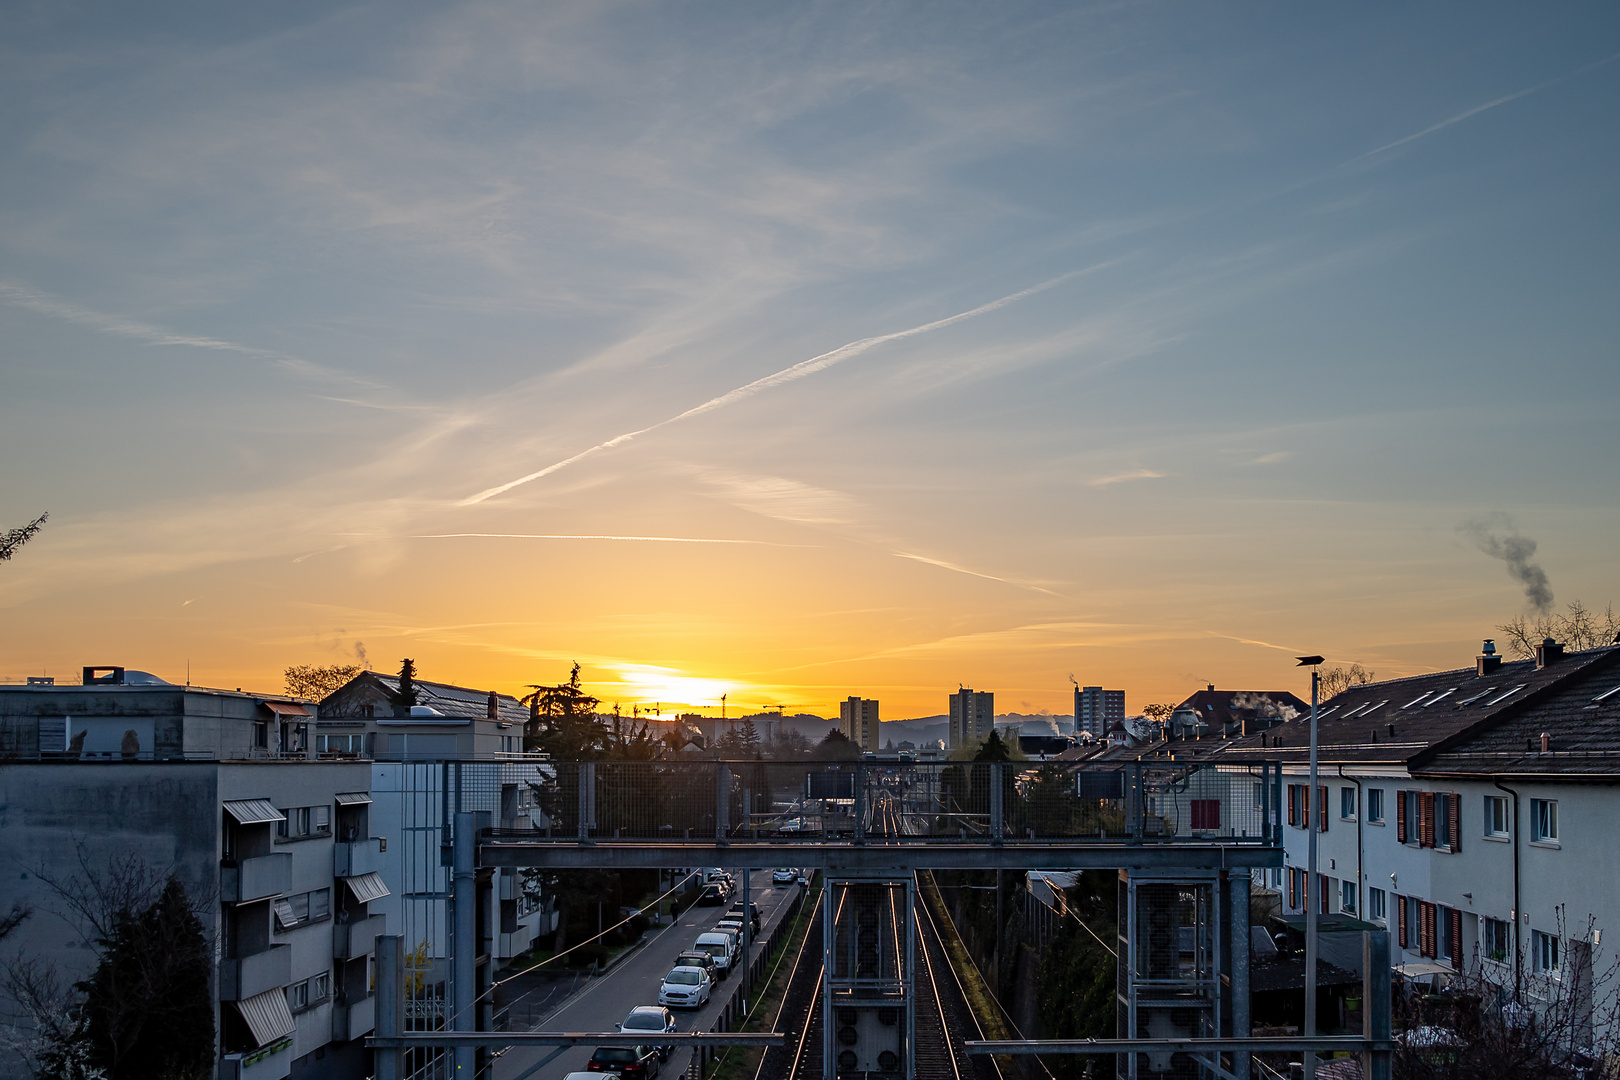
<point x="1375" y="806"/>
<point x="1347" y="897"/>
<point x="1347" y="801"/>
<point x="1544" y="951"/>
<point x="1496" y="807"/>
<point x="1544" y="822"/>
<point x="1377" y="905"/>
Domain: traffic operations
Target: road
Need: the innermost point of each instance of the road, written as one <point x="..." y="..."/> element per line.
<point x="635" y="981"/>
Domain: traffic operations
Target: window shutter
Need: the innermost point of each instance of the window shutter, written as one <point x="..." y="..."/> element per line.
<point x="1426" y="819"/>
<point x="1293" y="815"/>
<point x="1400" y="912"/>
<point x="1429" y="929"/>
<point x="1400" y="820"/>
<point x="1293" y="885"/>
<point x="1321" y="809"/>
<point x="1454" y="813"/>
<point x="1456" y="939"/>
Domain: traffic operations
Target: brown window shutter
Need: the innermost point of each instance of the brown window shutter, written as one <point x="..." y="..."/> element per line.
<point x="1456" y="939"/>
<point x="1400" y="817"/>
<point x="1426" y="818"/>
<point x="1429" y="930"/>
<point x="1321" y="808"/>
<point x="1293" y="813"/>
<point x="1454" y="813"/>
<point x="1400" y="918"/>
<point x="1293" y="881"/>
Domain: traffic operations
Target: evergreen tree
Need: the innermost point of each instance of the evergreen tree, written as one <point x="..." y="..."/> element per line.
<point x="147" y="1012"/>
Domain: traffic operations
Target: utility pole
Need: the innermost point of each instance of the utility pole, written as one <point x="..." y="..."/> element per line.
<point x="1313" y="812"/>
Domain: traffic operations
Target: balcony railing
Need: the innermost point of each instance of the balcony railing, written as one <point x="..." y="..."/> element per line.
<point x="240" y="979"/>
<point x="351" y="858"/>
<point x="871" y="801"/>
<point x="257" y="878"/>
<point x="357" y="938"/>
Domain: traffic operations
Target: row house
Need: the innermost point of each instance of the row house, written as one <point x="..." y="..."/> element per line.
<point x="224" y="789"/>
<point x="1464" y="811"/>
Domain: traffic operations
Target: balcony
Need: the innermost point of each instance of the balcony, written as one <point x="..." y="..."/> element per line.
<point x="250" y="975"/>
<point x="355" y="857"/>
<point x="255" y="879"/>
<point x="273" y="1062"/>
<point x="350" y="940"/>
<point x="353" y="1019"/>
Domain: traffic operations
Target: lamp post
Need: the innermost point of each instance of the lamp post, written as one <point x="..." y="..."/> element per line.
<point x="1312" y="884"/>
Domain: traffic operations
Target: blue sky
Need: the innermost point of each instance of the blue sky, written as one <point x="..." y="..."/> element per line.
<point x="1295" y="293"/>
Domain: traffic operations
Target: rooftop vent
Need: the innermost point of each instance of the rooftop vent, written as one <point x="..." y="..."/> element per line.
<point x="1548" y="652"/>
<point x="1487" y="661"/>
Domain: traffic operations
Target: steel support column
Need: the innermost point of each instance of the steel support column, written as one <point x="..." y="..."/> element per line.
<point x="390" y="1003"/>
<point x="464" y="943"/>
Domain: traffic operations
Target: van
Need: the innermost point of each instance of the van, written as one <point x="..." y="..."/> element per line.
<point x="722" y="945"/>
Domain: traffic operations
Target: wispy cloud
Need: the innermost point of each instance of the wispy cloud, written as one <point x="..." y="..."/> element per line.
<point x="794" y="373"/>
<point x="1125" y="477"/>
<point x="954" y="568"/>
<point x="1272" y="458"/>
<point x="590" y="536"/>
<point x="117" y="326"/>
<point x="1493" y="103"/>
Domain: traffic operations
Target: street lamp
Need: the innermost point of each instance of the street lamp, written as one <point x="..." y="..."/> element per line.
<point x="1312" y="884"/>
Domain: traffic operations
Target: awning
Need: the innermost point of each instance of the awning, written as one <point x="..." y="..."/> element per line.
<point x="1414" y="971"/>
<point x="284" y="914"/>
<point x="267" y="1016"/>
<point x="286" y="708"/>
<point x="353" y="798"/>
<point x="367" y="887"/>
<point x="253" y="811"/>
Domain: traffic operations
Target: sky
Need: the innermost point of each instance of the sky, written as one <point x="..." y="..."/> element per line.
<point x="793" y="352"/>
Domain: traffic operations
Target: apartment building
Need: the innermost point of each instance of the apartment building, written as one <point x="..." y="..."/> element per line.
<point x="858" y="722"/>
<point x="1465" y="810"/>
<point x="1096" y="709"/>
<point x="973" y="717"/>
<point x="222" y="788"/>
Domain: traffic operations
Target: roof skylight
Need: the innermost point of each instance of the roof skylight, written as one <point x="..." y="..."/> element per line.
<point x="1499" y="698"/>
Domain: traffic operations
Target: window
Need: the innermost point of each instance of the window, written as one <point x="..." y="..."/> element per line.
<point x="310" y="991"/>
<point x="1347" y="897"/>
<point x="1544" y="821"/>
<point x="301" y="908"/>
<point x="1375" y="806"/>
<point x="1544" y="949"/>
<point x="1496" y="816"/>
<point x="1377" y="905"/>
<point x="1445" y="822"/>
<point x="298" y="996"/>
<point x="1347" y="804"/>
<point x="302" y="821"/>
<point x="1494" y="943"/>
<point x="1206" y="814"/>
<point x="1296" y="887"/>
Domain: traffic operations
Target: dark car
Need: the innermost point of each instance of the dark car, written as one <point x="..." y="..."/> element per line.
<point x="638" y="1061"/>
<point x="697" y="958"/>
<point x="753" y="911"/>
<point x="712" y="894"/>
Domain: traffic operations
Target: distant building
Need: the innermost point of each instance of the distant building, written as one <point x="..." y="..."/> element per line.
<point x="222" y="789"/>
<point x="858" y="722"/>
<point x="1096" y="709"/>
<point x="1226" y="713"/>
<point x="973" y="716"/>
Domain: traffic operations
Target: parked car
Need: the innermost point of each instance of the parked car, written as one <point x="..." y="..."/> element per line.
<point x="696" y="958"/>
<point x="638" y="1062"/>
<point x="686" y="987"/>
<point x="577" y="1075"/>
<point x="722" y="945"/>
<point x="783" y="876"/>
<point x="713" y="894"/>
<point x="651" y="1018"/>
<point x="753" y="912"/>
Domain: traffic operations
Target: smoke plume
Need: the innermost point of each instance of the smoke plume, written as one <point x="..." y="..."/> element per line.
<point x="1498" y="538"/>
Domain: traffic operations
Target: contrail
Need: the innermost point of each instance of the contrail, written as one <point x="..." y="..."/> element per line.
<point x="1477" y="109"/>
<point x="786" y="375"/>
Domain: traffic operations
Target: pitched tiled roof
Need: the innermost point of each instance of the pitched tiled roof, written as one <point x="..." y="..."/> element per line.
<point x="1222" y="710"/>
<point x="459" y="701"/>
<point x="1412" y="720"/>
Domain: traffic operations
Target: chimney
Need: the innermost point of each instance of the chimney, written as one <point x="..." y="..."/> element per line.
<point x="1487" y="661"/>
<point x="1548" y="652"/>
<point x="1546" y="742"/>
<point x="1212" y="687"/>
<point x="491" y="710"/>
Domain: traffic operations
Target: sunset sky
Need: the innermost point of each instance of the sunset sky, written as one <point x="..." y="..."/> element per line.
<point x="789" y="352"/>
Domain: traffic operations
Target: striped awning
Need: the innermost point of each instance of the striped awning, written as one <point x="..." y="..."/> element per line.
<point x="253" y="811"/>
<point x="353" y="798"/>
<point x="267" y="1015"/>
<point x="367" y="887"/>
<point x="286" y="708"/>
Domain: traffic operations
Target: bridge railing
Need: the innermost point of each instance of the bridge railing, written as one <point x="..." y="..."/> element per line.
<point x="869" y="801"/>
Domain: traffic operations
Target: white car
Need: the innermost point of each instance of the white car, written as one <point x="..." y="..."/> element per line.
<point x="685" y="988"/>
<point x="784" y="875"/>
<point x="651" y="1018"/>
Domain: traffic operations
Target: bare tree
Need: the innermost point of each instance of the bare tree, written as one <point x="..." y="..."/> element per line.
<point x="315" y="681"/>
<point x="1577" y="626"/>
<point x="1336" y="680"/>
<point x="13" y="539"/>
